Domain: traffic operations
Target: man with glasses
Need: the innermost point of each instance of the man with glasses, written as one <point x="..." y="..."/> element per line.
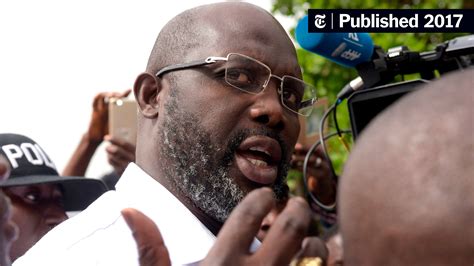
<point x="252" y="76"/>
<point x="218" y="117"/>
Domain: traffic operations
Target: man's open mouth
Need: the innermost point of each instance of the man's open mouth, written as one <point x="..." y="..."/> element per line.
<point x="258" y="158"/>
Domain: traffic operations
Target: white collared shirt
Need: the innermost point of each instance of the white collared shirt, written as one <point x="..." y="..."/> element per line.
<point x="100" y="236"/>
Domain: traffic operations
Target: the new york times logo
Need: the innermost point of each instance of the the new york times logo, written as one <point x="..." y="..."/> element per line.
<point x="319" y="21"/>
<point x="391" y="20"/>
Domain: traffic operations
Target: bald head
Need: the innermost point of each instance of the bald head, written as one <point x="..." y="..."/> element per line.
<point x="193" y="122"/>
<point x="406" y="192"/>
<point x="212" y="26"/>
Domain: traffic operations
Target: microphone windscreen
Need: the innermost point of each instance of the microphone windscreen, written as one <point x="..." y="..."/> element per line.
<point x="347" y="49"/>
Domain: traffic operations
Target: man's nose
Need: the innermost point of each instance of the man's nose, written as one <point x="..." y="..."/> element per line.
<point x="267" y="108"/>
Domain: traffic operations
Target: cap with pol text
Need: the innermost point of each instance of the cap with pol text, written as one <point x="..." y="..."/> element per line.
<point x="30" y="165"/>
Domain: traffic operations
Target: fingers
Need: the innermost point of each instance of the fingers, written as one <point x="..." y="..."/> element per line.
<point x="125" y="93"/>
<point x="286" y="234"/>
<point x="118" y="165"/>
<point x="280" y="245"/>
<point x="98" y="101"/>
<point x="151" y="247"/>
<point x="320" y="179"/>
<point x="117" y="161"/>
<point x="313" y="252"/>
<point x="121" y="144"/>
<point x="314" y="247"/>
<point x="316" y="160"/>
<point x="119" y="154"/>
<point x="4" y="168"/>
<point x="237" y="234"/>
<point x="298" y="147"/>
<point x="117" y="95"/>
<point x="101" y="99"/>
<point x="98" y="126"/>
<point x="8" y="229"/>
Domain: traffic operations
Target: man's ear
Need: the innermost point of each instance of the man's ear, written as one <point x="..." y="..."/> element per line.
<point x="147" y="92"/>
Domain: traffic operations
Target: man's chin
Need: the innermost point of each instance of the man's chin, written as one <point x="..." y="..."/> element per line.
<point x="246" y="185"/>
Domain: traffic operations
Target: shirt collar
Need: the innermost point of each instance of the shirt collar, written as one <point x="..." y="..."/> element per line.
<point x="187" y="239"/>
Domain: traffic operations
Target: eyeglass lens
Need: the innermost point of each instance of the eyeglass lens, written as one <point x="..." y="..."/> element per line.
<point x="250" y="75"/>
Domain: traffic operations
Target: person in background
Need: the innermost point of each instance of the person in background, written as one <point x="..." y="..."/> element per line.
<point x="119" y="152"/>
<point x="271" y="218"/>
<point x="406" y="194"/>
<point x="321" y="183"/>
<point x="39" y="196"/>
<point x="8" y="229"/>
<point x="333" y="240"/>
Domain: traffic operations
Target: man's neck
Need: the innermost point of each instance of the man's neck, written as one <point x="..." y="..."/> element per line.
<point x="211" y="224"/>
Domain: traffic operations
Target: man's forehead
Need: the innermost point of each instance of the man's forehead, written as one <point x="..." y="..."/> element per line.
<point x="280" y="58"/>
<point x="244" y="29"/>
<point x="283" y="63"/>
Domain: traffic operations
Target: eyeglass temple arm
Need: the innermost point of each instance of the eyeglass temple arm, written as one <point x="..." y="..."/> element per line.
<point x="196" y="63"/>
<point x="181" y="66"/>
<point x="308" y="103"/>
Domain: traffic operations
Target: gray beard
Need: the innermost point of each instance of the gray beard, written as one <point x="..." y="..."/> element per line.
<point x="198" y="168"/>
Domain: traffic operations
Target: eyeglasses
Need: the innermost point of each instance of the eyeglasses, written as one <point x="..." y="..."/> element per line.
<point x="252" y="76"/>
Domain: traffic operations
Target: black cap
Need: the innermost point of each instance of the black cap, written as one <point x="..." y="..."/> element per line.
<point x="30" y="165"/>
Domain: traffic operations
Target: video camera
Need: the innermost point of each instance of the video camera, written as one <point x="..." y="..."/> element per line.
<point x="375" y="89"/>
<point x="377" y="75"/>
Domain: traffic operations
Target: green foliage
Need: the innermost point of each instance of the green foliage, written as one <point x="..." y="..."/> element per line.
<point x="329" y="77"/>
